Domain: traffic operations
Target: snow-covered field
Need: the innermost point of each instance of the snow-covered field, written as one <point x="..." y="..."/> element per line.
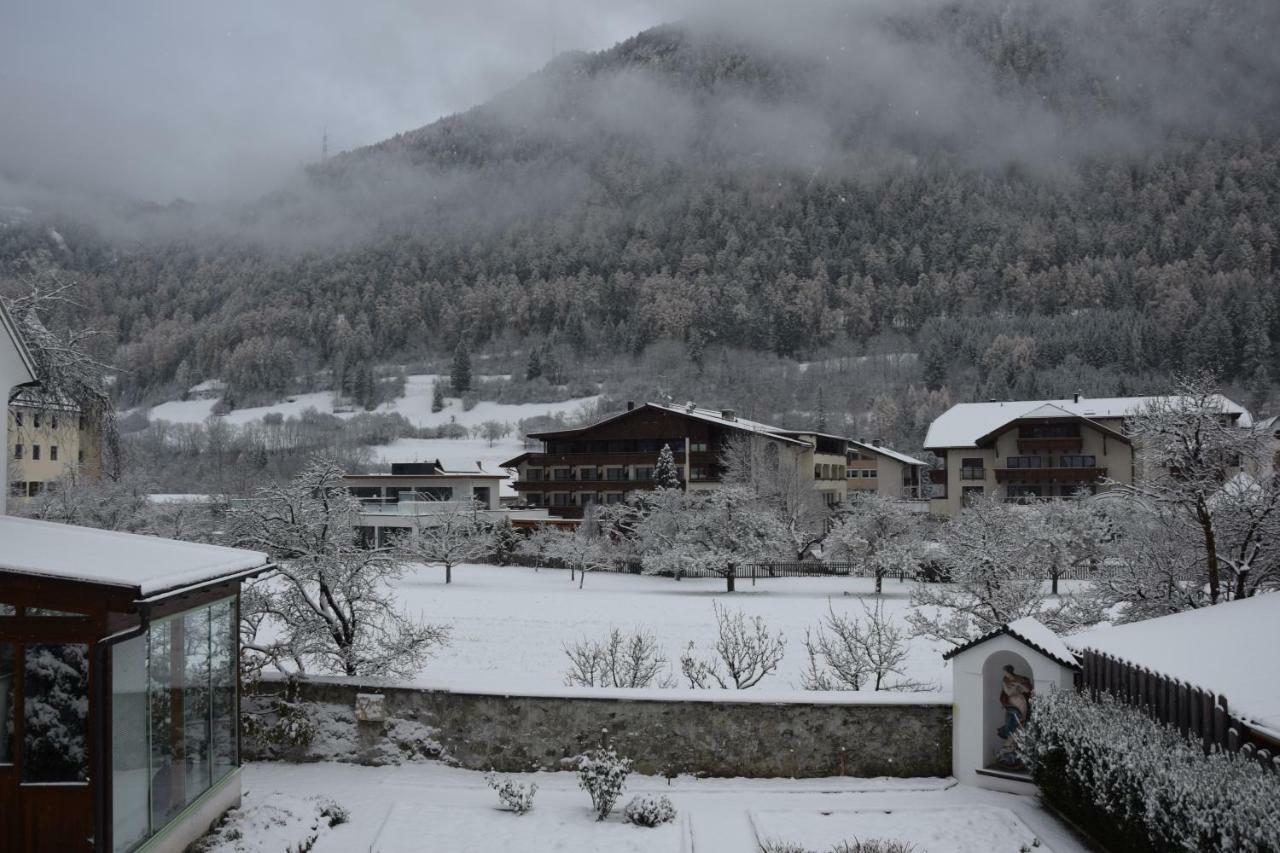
<point x="510" y="623"/>
<point x="415" y="405"/>
<point x="429" y="807"/>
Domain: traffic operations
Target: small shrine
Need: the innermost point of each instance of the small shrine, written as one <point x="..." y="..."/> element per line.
<point x="995" y="681"/>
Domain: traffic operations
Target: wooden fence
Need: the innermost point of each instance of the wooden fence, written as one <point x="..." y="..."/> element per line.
<point x="1197" y="713"/>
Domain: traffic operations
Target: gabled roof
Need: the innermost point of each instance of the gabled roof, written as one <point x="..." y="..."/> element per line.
<point x="886" y="451"/>
<point x="1030" y="632"/>
<point x="147" y="566"/>
<point x="965" y="423"/>
<point x="10" y="329"/>
<point x="1049" y="412"/>
<point x="687" y="411"/>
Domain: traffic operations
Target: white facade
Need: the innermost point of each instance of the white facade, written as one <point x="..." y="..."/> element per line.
<point x="977" y="671"/>
<point x="16" y="369"/>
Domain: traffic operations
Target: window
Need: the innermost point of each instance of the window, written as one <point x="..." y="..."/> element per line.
<point x="644" y="473"/>
<point x="35" y="452"/>
<point x="18" y="489"/>
<point x="588" y="474"/>
<point x="53" y="453"/>
<point x="35" y="420"/>
<point x="53" y="421"/>
<point x="973" y="469"/>
<point x="17" y="451"/>
<point x="82" y="424"/>
<point x="1078" y="461"/>
<point x="561" y="474"/>
<point x="869" y="473"/>
<point x="615" y="474"/>
<point x="480" y="494"/>
<point x="129" y="742"/>
<point x="697" y="447"/>
<point x="56" y="713"/>
<point x="533" y="474"/>
<point x="1023" y="462"/>
<point x="80" y="455"/>
<point x="560" y="499"/>
<point x="613" y="497"/>
<point x="17" y="418"/>
<point x="533" y="499"/>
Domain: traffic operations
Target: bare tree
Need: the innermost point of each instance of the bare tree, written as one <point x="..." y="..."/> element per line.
<point x="780" y="482"/>
<point x="582" y="549"/>
<point x="746" y="651"/>
<point x="451" y="535"/>
<point x="881" y="533"/>
<point x="852" y="654"/>
<point x="1194" y="472"/>
<point x="631" y="660"/>
<point x="329" y="600"/>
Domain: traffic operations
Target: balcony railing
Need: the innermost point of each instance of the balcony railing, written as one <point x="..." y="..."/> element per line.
<point x="388" y="506"/>
<point x="1073" y="474"/>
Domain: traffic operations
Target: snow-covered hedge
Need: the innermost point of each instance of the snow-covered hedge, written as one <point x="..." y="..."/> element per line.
<point x="648" y="810"/>
<point x="515" y="796"/>
<point x="1140" y="785"/>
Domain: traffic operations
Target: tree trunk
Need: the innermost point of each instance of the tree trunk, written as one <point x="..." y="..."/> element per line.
<point x="448" y="573"/>
<point x="729" y="580"/>
<point x="879" y="581"/>
<point x="1211" y="555"/>
<point x="582" y="576"/>
<point x="1055" y="582"/>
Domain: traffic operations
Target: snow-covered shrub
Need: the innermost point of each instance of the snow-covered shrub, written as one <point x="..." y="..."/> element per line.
<point x="1140" y="785"/>
<point x="278" y="721"/>
<point x="515" y="796"/>
<point x="868" y="845"/>
<point x="602" y="773"/>
<point x="276" y="823"/>
<point x="619" y="660"/>
<point x="746" y="652"/>
<point x="648" y="810"/>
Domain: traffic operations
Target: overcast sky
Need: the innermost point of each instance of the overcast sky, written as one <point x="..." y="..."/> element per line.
<point x="214" y="100"/>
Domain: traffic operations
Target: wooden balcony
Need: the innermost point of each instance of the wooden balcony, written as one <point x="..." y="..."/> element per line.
<point x="543" y="460"/>
<point x="1041" y="475"/>
<point x="1059" y="444"/>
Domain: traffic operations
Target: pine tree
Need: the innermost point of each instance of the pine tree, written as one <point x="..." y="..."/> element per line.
<point x="534" y="368"/>
<point x="665" y="474"/>
<point x="437" y="396"/>
<point x="822" y="411"/>
<point x="461" y="374"/>
<point x="935" y="365"/>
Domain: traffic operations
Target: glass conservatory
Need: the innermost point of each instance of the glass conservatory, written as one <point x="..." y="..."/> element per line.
<point x="119" y="687"/>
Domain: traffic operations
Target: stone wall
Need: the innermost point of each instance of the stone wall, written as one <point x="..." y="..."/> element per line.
<point x="661" y="731"/>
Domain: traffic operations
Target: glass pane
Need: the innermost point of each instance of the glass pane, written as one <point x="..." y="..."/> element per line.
<point x="56" y="711"/>
<point x="166" y="783"/>
<point x="195" y="702"/>
<point x="6" y="609"/>
<point x="6" y="703"/>
<point x="45" y="611"/>
<point x="129" y="742"/>
<point x="222" y="648"/>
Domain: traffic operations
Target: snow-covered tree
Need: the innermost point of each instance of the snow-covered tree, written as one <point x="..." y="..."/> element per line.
<point x="852" y="653"/>
<point x="619" y="660"/>
<point x="780" y="484"/>
<point x="452" y="534"/>
<point x="329" y="602"/>
<point x="745" y="652"/>
<point x="437" y="396"/>
<point x="996" y="573"/>
<point x="881" y="533"/>
<point x="582" y="549"/>
<point x="665" y="473"/>
<point x="1200" y="471"/>
<point x="460" y="372"/>
<point x="718" y="532"/>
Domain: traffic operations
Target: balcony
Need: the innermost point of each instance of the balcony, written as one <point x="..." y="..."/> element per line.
<point x="1037" y="475"/>
<point x="1058" y="443"/>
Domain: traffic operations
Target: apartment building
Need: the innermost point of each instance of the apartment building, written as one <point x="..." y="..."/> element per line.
<point x="872" y="467"/>
<point x="1036" y="449"/>
<point x="602" y="462"/>
<point x="47" y="435"/>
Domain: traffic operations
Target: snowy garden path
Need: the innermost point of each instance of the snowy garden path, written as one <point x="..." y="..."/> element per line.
<point x="436" y="809"/>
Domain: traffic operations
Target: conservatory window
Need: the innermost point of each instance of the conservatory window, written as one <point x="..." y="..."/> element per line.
<point x="6" y="702"/>
<point x="55" y="713"/>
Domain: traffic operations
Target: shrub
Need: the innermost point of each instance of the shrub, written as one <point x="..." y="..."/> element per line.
<point x="870" y="845"/>
<point x="630" y="660"/>
<point x="648" y="810"/>
<point x="1138" y="785"/>
<point x="602" y="773"/>
<point x="515" y="796"/>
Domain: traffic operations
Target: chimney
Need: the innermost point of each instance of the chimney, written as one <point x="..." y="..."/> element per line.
<point x="1076" y="399"/>
<point x="875" y="442"/>
<point x="631" y="404"/>
<point x="729" y="414"/>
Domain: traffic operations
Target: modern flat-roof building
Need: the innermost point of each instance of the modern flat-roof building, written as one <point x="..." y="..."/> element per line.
<point x="1036" y="449"/>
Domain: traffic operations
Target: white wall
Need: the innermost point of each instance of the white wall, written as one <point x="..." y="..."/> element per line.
<point x="13" y="371"/>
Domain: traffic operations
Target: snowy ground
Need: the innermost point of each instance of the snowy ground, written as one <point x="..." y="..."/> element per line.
<point x="429" y="807"/>
<point x="415" y="405"/>
<point x="510" y="623"/>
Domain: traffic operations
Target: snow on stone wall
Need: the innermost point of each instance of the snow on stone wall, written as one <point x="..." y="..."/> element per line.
<point x="724" y="738"/>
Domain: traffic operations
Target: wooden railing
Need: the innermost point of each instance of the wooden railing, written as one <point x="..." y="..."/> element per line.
<point x="1197" y="713"/>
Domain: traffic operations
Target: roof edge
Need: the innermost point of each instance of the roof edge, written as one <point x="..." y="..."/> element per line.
<point x="6" y="320"/>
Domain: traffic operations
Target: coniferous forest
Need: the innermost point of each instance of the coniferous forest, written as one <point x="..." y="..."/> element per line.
<point x="1002" y="199"/>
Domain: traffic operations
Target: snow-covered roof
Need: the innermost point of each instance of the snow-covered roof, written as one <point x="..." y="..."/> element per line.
<point x="964" y="423"/>
<point x="886" y="451"/>
<point x="1228" y="648"/>
<point x="690" y="411"/>
<point x="149" y="565"/>
<point x="1031" y="632"/>
<point x="10" y="328"/>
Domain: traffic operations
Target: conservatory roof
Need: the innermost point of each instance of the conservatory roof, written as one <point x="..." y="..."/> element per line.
<point x="147" y="566"/>
<point x="1223" y="648"/>
<point x="1029" y="631"/>
<point x="965" y="423"/>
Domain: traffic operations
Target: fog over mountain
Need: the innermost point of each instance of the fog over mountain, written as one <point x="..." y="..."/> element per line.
<point x="1027" y="193"/>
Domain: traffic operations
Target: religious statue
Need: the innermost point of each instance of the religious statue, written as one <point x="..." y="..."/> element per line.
<point x="1015" y="698"/>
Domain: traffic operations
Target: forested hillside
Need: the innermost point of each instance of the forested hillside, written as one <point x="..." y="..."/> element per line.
<point x="1036" y="200"/>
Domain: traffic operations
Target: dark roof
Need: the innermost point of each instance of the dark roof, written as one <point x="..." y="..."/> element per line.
<point x="1009" y="630"/>
<point x="688" y="411"/>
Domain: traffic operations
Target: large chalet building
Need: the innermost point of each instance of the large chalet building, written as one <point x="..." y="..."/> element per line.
<point x="602" y="462"/>
<point x="1036" y="449"/>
